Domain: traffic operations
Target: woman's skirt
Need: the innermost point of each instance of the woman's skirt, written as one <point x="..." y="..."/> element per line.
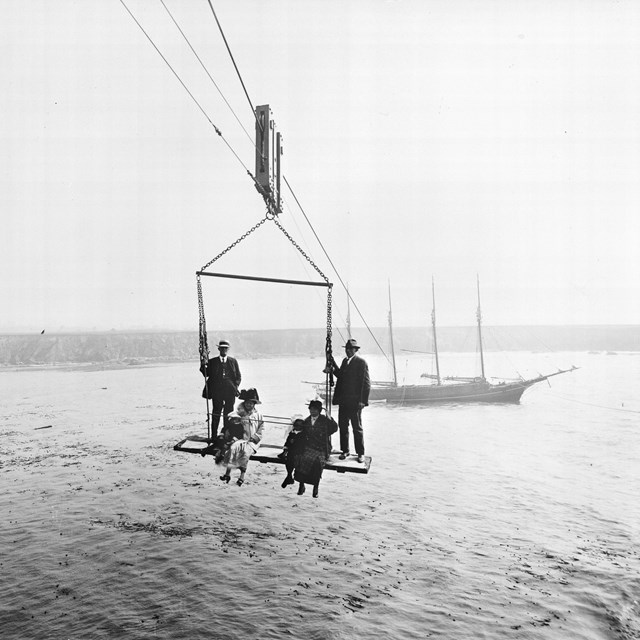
<point x="309" y="466"/>
<point x="239" y="454"/>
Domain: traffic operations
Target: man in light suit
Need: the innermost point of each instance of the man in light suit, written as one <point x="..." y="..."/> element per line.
<point x="351" y="395"/>
<point x="223" y="378"/>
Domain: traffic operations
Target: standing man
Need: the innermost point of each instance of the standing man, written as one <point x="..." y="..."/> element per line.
<point x="223" y="378"/>
<point x="351" y="395"/>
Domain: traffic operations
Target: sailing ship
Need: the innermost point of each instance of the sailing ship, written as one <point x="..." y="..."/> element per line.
<point x="451" y="389"/>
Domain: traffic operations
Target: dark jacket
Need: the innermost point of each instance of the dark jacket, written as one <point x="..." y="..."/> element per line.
<point x="353" y="384"/>
<point x="316" y="437"/>
<point x="323" y="423"/>
<point x="220" y="380"/>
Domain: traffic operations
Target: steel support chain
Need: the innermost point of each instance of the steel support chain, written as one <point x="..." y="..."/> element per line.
<point x="237" y="242"/>
<point x="329" y="353"/>
<point x="203" y="347"/>
<point x="297" y="246"/>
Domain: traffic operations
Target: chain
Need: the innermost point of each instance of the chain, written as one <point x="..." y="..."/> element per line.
<point x="238" y="241"/>
<point x="297" y="246"/>
<point x="329" y="310"/>
<point x="329" y="353"/>
<point x="328" y="349"/>
<point x="204" y="347"/>
<point x="202" y="326"/>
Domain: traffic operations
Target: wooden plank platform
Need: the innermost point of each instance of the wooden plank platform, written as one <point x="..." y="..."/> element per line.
<point x="269" y="453"/>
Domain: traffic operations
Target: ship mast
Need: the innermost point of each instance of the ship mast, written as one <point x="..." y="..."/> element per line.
<point x="479" y="316"/>
<point x="348" y="314"/>
<point x="393" y="353"/>
<point x="433" y="326"/>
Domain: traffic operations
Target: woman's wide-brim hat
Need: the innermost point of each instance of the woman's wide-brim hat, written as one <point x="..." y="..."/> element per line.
<point x="223" y="343"/>
<point x="351" y="344"/>
<point x="250" y="394"/>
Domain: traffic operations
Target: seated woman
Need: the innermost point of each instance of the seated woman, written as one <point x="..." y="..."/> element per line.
<point x="291" y="448"/>
<point x="315" y="447"/>
<point x="240" y="451"/>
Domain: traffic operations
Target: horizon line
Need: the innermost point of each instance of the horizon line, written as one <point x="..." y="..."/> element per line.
<point x="79" y="331"/>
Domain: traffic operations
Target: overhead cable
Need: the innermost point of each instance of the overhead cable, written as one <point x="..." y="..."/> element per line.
<point x="207" y="72"/>
<point x="253" y="111"/>
<point x="184" y="86"/>
<point x="335" y="270"/>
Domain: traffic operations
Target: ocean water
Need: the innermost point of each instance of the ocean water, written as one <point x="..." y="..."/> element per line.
<point x="515" y="521"/>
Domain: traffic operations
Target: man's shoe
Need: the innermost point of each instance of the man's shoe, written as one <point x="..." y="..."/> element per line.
<point x="360" y="458"/>
<point x="206" y="450"/>
<point x="344" y="455"/>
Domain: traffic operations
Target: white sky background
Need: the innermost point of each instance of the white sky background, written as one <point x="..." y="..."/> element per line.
<point x="421" y="137"/>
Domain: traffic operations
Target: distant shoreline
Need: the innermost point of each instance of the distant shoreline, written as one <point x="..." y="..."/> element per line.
<point x="376" y="330"/>
<point x="132" y="348"/>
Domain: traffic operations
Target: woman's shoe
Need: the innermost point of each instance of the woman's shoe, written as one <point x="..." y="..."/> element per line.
<point x="240" y="482"/>
<point x="225" y="478"/>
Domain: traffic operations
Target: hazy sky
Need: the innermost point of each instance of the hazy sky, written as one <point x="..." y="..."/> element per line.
<point x="447" y="138"/>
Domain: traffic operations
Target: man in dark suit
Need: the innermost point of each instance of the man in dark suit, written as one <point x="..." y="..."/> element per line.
<point x="223" y="378"/>
<point x="351" y="395"/>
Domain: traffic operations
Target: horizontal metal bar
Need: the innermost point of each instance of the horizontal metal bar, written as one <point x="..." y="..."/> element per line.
<point x="237" y="277"/>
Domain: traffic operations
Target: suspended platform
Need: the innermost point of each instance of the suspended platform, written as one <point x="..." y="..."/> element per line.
<point x="269" y="453"/>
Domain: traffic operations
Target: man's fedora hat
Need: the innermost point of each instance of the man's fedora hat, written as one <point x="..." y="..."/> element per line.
<point x="351" y="344"/>
<point x="223" y="343"/>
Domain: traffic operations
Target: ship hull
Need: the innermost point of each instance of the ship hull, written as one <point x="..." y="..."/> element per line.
<point x="480" y="391"/>
<point x="508" y="392"/>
